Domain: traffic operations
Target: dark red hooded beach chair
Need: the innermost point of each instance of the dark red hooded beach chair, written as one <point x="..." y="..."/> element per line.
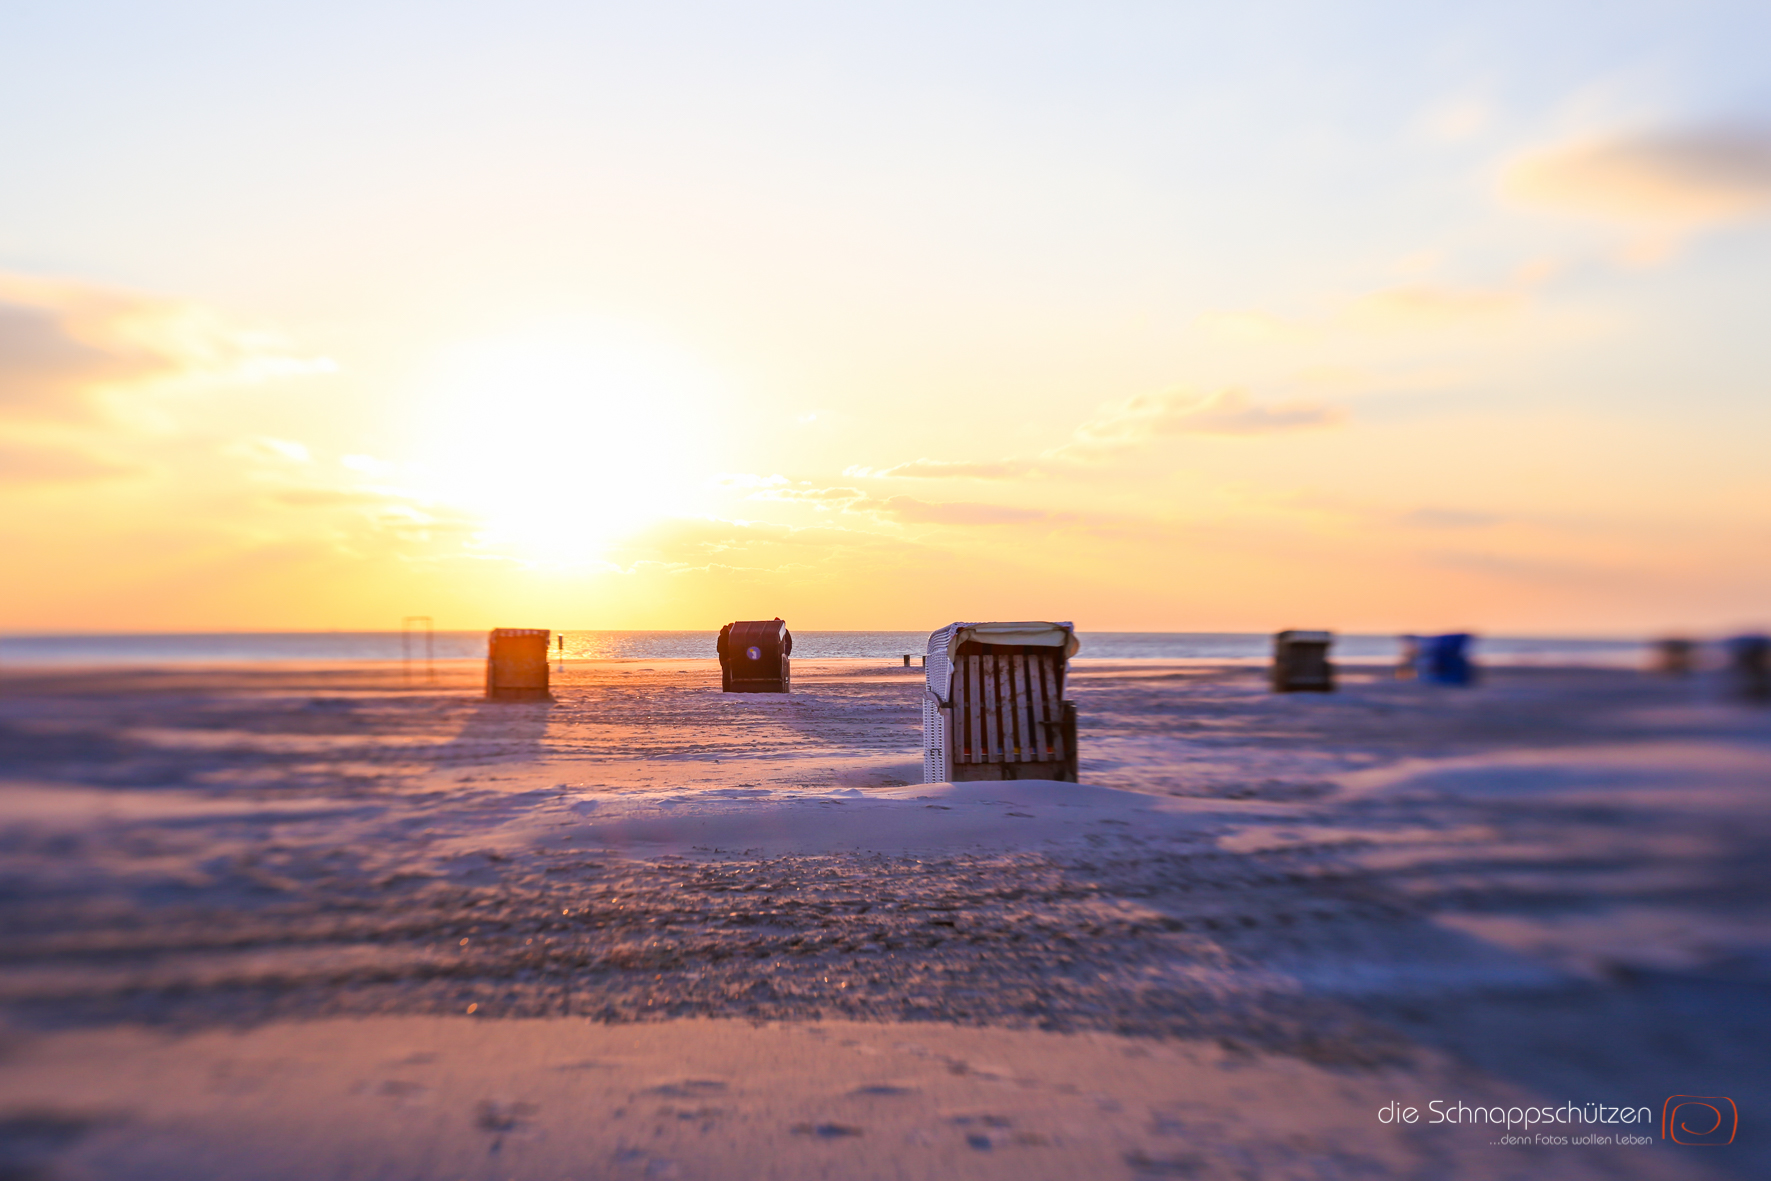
<point x="754" y="657"/>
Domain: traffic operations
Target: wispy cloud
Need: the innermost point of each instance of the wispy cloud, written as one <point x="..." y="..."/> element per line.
<point x="47" y="370"/>
<point x="1221" y="412"/>
<point x="1414" y="307"/>
<point x="1447" y="518"/>
<point x="329" y="498"/>
<point x="1253" y="326"/>
<point x="107" y="399"/>
<point x="748" y="480"/>
<point x="903" y="509"/>
<point x="1429" y="306"/>
<point x="912" y="511"/>
<point x="266" y="447"/>
<point x="946" y="469"/>
<point x="1125" y="427"/>
<point x="1683" y="177"/>
<point x="823" y="497"/>
<point x="24" y="463"/>
<point x="688" y="545"/>
<point x="65" y="346"/>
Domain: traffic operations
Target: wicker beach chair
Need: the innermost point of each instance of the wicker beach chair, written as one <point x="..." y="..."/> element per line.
<point x="994" y="704"/>
<point x="1673" y="656"/>
<point x="516" y="664"/>
<point x="1300" y="662"/>
<point x="754" y="657"/>
<point x="1749" y="667"/>
<point x="1439" y="660"/>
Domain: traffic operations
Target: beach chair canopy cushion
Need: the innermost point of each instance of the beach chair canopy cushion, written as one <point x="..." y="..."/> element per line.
<point x="769" y="635"/>
<point x="1295" y="636"/>
<point x="944" y="645"/>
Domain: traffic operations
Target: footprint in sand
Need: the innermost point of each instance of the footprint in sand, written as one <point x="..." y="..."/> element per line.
<point x="703" y="1114"/>
<point x="986" y="1133"/>
<point x="1144" y="1165"/>
<point x="395" y="1088"/>
<point x="648" y="1165"/>
<point x="691" y="1088"/>
<point x="988" y="1121"/>
<point x="494" y="1116"/>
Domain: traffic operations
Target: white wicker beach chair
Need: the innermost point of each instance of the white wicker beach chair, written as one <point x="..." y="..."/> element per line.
<point x="994" y="704"/>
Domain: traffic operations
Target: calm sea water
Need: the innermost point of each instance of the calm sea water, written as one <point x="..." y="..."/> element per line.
<point x="232" y="647"/>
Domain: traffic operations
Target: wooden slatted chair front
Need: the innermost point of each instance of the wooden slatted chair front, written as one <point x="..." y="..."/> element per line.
<point x="1007" y="717"/>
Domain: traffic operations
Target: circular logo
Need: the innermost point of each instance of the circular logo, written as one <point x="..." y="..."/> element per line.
<point x="754" y="652"/>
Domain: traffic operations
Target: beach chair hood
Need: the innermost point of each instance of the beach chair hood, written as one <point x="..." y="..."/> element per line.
<point x="1035" y="633"/>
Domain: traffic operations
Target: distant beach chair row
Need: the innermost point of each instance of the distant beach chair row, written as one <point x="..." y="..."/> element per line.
<point x="1301" y="664"/>
<point x="1745" y="666"/>
<point x="1438" y="660"/>
<point x="994" y="705"/>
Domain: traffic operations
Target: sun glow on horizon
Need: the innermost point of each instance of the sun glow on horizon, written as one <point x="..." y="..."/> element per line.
<point x="564" y="439"/>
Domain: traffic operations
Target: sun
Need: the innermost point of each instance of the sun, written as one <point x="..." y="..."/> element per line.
<point x="563" y="440"/>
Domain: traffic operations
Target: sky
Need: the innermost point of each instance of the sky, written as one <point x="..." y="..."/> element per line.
<point x="1151" y="316"/>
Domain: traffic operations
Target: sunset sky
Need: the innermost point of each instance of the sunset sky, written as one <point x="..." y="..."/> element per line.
<point x="1151" y="316"/>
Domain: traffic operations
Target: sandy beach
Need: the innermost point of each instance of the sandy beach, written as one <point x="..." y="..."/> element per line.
<point x="317" y="922"/>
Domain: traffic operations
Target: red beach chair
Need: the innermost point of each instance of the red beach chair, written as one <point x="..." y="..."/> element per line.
<point x="754" y="657"/>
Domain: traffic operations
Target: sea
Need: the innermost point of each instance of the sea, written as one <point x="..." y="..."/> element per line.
<point x="334" y="647"/>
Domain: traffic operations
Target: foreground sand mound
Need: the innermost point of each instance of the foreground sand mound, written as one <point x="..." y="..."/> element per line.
<point x="927" y="818"/>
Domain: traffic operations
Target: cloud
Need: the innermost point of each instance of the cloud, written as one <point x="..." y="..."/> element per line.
<point x="687" y="544"/>
<point x="46" y="371"/>
<point x="1448" y="518"/>
<point x="748" y="480"/>
<point x="910" y="510"/>
<point x="127" y="409"/>
<point x="1429" y="306"/>
<point x="958" y="469"/>
<point x="92" y="385"/>
<point x="1252" y="326"/>
<point x="1222" y="412"/>
<point x="287" y="450"/>
<point x="22" y="464"/>
<point x="64" y="346"/>
<point x="903" y="509"/>
<point x="329" y="498"/>
<point x="1414" y="307"/>
<point x="1683" y="178"/>
<point x="822" y="498"/>
<point x="1122" y="428"/>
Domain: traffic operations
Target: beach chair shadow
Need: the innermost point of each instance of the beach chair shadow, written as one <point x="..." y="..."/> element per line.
<point x="497" y="732"/>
